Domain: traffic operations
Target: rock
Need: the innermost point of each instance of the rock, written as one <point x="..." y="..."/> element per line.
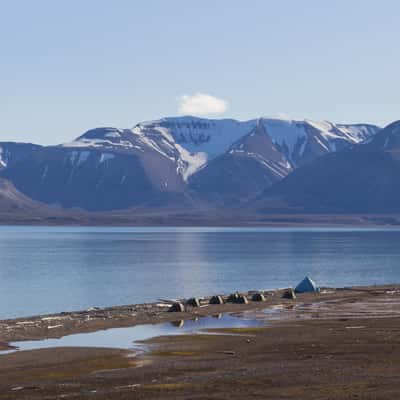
<point x="194" y="302"/>
<point x="216" y="300"/>
<point x="237" y="299"/>
<point x="242" y="300"/>
<point x="258" y="297"/>
<point x="233" y="298"/>
<point x="289" y="294"/>
<point x="177" y="307"/>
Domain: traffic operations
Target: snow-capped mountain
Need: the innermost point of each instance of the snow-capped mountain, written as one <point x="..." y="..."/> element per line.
<point x="187" y="142"/>
<point x="303" y="141"/>
<point x="251" y="164"/>
<point x="299" y="141"/>
<point x="192" y="142"/>
<point x="176" y="160"/>
<point x="360" y="179"/>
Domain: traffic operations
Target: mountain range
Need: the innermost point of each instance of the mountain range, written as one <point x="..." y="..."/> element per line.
<point x="263" y="165"/>
<point x="363" y="178"/>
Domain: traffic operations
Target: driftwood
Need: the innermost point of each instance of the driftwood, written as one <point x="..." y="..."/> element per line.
<point x="228" y="352"/>
<point x="169" y="301"/>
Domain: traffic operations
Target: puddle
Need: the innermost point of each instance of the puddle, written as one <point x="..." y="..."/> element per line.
<point x="128" y="338"/>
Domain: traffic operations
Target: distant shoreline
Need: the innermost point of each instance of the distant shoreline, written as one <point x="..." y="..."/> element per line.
<point x="204" y="220"/>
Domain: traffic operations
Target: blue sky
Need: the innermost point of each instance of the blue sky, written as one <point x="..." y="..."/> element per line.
<point x="73" y="65"/>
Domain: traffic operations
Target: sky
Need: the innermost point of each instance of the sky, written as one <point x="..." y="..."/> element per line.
<point x="66" y="67"/>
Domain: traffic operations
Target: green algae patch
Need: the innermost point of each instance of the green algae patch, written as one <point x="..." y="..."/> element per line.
<point x="175" y="353"/>
<point x="167" y="386"/>
<point x="241" y="331"/>
<point x="63" y="370"/>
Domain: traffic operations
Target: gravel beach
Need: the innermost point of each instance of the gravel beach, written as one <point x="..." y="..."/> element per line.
<point x="337" y="344"/>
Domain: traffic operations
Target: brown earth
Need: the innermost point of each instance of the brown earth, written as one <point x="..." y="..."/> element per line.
<point x="337" y="345"/>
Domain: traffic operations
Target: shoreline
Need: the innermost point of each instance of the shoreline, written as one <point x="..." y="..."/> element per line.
<point x="56" y="325"/>
<point x="61" y="324"/>
<point x="339" y="344"/>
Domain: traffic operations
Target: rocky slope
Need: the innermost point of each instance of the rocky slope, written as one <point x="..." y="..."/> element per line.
<point x="361" y="179"/>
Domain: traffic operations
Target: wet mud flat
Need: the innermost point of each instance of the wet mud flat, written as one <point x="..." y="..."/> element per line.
<point x="341" y="344"/>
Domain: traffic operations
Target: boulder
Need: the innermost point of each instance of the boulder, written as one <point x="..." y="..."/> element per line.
<point x="289" y="294"/>
<point x="194" y="302"/>
<point x="242" y="300"/>
<point x="233" y="298"/>
<point x="237" y="298"/>
<point x="216" y="300"/>
<point x="177" y="307"/>
<point x="258" y="297"/>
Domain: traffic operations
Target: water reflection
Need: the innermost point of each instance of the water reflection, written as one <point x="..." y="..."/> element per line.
<point x="178" y="324"/>
<point x="128" y="338"/>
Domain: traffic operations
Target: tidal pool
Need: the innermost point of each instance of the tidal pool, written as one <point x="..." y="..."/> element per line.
<point x="129" y="337"/>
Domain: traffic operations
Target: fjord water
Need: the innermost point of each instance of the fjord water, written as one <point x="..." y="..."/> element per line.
<point x="53" y="269"/>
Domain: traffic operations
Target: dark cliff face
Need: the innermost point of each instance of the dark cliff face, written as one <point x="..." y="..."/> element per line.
<point x="11" y="153"/>
<point x="88" y="179"/>
<point x="362" y="179"/>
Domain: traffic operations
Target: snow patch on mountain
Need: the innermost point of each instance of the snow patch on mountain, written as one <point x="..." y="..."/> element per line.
<point x="106" y="156"/>
<point x="191" y="142"/>
<point x="78" y="157"/>
<point x="3" y="162"/>
<point x="190" y="163"/>
<point x="96" y="143"/>
<point x="285" y="133"/>
<point x="210" y="136"/>
<point x="293" y="137"/>
<point x="358" y="132"/>
<point x="103" y="137"/>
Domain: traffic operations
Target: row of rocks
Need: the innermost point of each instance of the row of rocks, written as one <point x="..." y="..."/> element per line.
<point x="235" y="298"/>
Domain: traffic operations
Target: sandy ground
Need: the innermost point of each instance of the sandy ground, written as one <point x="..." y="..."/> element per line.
<point x="337" y="345"/>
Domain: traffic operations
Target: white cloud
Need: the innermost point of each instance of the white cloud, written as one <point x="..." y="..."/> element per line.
<point x="201" y="104"/>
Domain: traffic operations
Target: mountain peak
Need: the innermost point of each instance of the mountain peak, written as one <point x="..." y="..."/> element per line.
<point x="104" y="137"/>
<point x="101" y="133"/>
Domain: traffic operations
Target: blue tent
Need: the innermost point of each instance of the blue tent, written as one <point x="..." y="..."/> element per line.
<point x="306" y="285"/>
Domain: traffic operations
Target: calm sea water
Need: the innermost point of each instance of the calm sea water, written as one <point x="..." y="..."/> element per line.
<point x="51" y="269"/>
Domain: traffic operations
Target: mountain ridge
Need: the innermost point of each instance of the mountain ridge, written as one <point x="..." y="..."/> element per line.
<point x="188" y="161"/>
<point x="363" y="178"/>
